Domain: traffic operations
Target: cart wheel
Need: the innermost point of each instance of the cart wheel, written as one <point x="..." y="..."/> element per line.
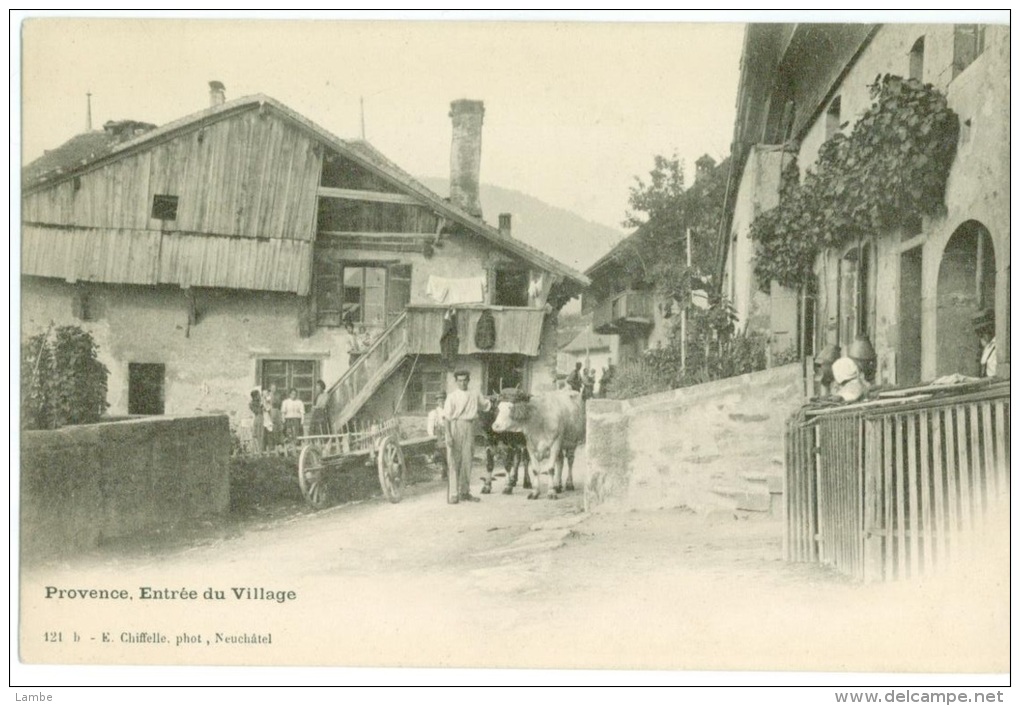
<point x="312" y="477"/>
<point x="392" y="468"/>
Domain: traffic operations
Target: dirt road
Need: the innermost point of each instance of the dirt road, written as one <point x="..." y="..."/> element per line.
<point x="508" y="582"/>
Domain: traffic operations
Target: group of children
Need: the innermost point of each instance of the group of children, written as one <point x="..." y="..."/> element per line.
<point x="277" y="421"/>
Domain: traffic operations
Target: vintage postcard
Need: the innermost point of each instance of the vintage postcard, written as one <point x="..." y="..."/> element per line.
<point x="671" y="345"/>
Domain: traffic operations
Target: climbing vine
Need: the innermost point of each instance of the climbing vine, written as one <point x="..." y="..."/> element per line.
<point x="891" y="169"/>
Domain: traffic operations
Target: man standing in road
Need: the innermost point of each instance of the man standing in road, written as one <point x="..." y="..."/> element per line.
<point x="461" y="409"/>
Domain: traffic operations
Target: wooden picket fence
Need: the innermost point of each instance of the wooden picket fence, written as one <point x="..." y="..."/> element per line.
<point x="885" y="490"/>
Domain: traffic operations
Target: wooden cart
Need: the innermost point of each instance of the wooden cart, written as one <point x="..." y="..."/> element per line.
<point x="381" y="445"/>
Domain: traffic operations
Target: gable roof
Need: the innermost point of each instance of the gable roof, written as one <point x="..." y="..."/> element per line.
<point x="40" y="174"/>
<point x="616" y="253"/>
<point x="587" y="340"/>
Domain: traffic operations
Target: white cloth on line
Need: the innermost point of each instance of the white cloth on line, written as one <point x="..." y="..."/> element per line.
<point x="445" y="290"/>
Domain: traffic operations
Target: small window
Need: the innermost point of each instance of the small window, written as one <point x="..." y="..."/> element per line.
<point x="364" y="296"/>
<point x="917" y="60"/>
<point x="968" y="43"/>
<point x="832" y="118"/>
<point x="164" y="207"/>
<point x="511" y="288"/>
<point x="290" y="374"/>
<point x="145" y="388"/>
<point x="423" y="390"/>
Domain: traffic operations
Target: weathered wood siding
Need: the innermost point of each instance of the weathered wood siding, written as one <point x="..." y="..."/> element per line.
<point x="150" y="257"/>
<point x="518" y="330"/>
<point x="251" y="174"/>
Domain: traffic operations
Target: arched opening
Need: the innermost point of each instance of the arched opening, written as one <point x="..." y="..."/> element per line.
<point x="917" y="59"/>
<point x="966" y="283"/>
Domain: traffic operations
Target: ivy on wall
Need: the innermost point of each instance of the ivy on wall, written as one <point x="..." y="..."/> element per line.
<point x="889" y="171"/>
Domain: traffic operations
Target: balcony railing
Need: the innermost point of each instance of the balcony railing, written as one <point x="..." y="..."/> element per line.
<point x="886" y="490"/>
<point x="629" y="310"/>
<point x="518" y="329"/>
<point x="353" y="389"/>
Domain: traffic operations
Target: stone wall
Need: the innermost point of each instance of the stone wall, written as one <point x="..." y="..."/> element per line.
<point x="83" y="484"/>
<point x="712" y="446"/>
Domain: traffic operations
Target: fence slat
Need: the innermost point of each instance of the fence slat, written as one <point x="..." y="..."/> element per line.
<point x="966" y="481"/>
<point x="912" y="495"/>
<point x="1002" y="448"/>
<point x="925" y="482"/>
<point x="939" y="525"/>
<point x="887" y="489"/>
<point x="991" y="480"/>
<point x="901" y="508"/>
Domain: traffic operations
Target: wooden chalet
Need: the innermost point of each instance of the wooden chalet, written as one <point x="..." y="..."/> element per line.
<point x="244" y="246"/>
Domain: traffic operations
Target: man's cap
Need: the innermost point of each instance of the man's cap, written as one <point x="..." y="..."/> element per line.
<point x="461" y="374"/>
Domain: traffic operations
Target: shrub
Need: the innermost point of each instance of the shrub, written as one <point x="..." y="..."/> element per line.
<point x="62" y="380"/>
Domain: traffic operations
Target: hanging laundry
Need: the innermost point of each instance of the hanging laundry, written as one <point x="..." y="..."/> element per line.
<point x="445" y="290"/>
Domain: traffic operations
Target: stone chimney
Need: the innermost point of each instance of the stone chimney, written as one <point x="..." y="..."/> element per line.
<point x="504" y="225"/>
<point x="217" y="94"/>
<point x="466" y="154"/>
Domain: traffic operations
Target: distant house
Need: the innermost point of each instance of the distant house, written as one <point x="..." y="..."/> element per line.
<point x="911" y="292"/>
<point x="621" y="300"/>
<point x="244" y="245"/>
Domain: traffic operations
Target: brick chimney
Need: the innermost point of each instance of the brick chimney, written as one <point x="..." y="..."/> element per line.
<point x="466" y="154"/>
<point x="217" y="94"/>
<point x="504" y="225"/>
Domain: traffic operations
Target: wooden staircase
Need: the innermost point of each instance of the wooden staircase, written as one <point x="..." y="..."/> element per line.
<point x="350" y="393"/>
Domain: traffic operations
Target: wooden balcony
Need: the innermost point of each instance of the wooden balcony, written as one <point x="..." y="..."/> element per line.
<point x="518" y="329"/>
<point x="627" y="312"/>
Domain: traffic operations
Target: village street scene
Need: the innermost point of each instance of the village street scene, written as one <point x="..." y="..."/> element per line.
<point x="452" y="368"/>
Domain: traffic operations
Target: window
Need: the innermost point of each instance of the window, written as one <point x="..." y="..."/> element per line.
<point x="856" y="288"/>
<point x="145" y="388"/>
<point x="968" y="43"/>
<point x="423" y="390"/>
<point x="511" y="288"/>
<point x="164" y="207"/>
<point x="917" y="60"/>
<point x="356" y="294"/>
<point x="832" y="118"/>
<point x="287" y="374"/>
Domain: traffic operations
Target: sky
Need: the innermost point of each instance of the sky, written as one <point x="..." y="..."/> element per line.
<point x="574" y="111"/>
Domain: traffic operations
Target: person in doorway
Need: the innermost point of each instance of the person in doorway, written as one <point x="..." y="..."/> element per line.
<point x="319" y="409"/>
<point x="293" y="413"/>
<point x="257" y="431"/>
<point x="436" y="426"/>
<point x="276" y="398"/>
<point x="461" y="410"/>
<point x="574" y="380"/>
<point x="984" y="327"/>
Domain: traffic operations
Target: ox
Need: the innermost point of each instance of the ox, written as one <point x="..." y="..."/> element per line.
<point x="553" y="426"/>
<point x="510" y="445"/>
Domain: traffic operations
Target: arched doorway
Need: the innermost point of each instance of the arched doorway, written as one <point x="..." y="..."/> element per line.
<point x="966" y="283"/>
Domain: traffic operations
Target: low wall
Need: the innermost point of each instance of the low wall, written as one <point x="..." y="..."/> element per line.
<point x="83" y="484"/>
<point x="696" y="447"/>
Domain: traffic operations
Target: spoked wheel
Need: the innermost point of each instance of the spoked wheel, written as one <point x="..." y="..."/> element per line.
<point x="392" y="469"/>
<point x="312" y="477"/>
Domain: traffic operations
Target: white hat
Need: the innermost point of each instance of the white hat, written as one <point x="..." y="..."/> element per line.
<point x="844" y="369"/>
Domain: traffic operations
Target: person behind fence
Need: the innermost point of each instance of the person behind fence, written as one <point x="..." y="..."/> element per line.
<point x="848" y="382"/>
<point x="574" y="379"/>
<point x="436" y="426"/>
<point x="461" y="410"/>
<point x="293" y="413"/>
<point x="319" y="409"/>
<point x="984" y="327"/>
<point x="257" y="432"/>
